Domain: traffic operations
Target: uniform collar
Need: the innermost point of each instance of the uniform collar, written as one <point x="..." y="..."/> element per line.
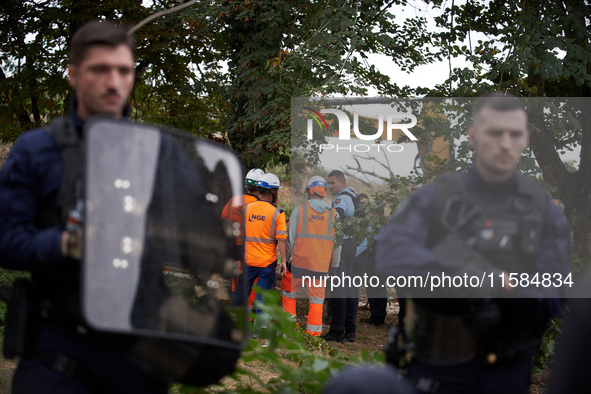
<point x="79" y="123"/>
<point x="347" y="189"/>
<point x="475" y="180"/>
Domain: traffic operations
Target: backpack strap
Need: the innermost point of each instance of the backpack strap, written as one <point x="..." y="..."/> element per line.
<point x="70" y="146"/>
<point x="359" y="212"/>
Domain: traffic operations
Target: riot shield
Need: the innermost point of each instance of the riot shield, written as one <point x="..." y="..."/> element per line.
<point x="158" y="258"/>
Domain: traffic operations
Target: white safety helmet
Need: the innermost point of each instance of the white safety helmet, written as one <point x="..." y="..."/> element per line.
<point x="253" y="176"/>
<point x="269" y="181"/>
<point x="316" y="180"/>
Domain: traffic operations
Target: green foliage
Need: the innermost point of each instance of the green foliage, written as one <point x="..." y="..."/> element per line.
<point x="545" y="356"/>
<point x="168" y="90"/>
<point x="302" y="363"/>
<point x="226" y="68"/>
<point x="281" y="170"/>
<point x="577" y="264"/>
<point x="527" y="43"/>
<point x="294" y="49"/>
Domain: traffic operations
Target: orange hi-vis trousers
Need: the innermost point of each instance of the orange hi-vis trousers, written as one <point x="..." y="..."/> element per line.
<point x="290" y="286"/>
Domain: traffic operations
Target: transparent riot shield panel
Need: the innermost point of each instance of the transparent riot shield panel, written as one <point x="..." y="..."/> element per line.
<point x="160" y="256"/>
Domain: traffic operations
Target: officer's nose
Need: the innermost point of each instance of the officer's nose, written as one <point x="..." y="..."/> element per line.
<point x="113" y="79"/>
<point x="506" y="141"/>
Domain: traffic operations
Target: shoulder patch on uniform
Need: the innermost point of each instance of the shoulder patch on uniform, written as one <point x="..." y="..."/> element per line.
<point x="338" y="200"/>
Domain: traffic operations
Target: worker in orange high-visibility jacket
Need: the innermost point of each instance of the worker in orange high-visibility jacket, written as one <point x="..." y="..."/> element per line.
<point x="234" y="207"/>
<point x="234" y="211"/>
<point x="310" y="244"/>
<point x="265" y="232"/>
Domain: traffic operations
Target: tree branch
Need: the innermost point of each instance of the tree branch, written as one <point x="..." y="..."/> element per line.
<point x="356" y="177"/>
<point x="161" y="13"/>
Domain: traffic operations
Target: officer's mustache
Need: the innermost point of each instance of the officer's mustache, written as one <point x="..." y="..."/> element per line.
<point x="110" y="92"/>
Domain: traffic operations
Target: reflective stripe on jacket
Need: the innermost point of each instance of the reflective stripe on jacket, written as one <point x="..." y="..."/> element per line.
<point x="314" y="239"/>
<point x="264" y="224"/>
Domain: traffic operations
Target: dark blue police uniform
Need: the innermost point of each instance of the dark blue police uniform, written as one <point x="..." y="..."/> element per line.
<point x="68" y="357"/>
<point x="344" y="300"/>
<point x="406" y="249"/>
<point x="570" y="370"/>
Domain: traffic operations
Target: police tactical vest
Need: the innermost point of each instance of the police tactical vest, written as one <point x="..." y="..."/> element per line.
<point x="314" y="241"/>
<point x="59" y="286"/>
<point x="508" y="234"/>
<point x="54" y="208"/>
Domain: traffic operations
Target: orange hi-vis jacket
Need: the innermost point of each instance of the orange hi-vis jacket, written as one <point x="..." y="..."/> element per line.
<point x="264" y="224"/>
<point x="314" y="241"/>
<point x="233" y="209"/>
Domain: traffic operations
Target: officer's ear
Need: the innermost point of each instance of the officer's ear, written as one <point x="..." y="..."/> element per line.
<point x="470" y="134"/>
<point x="72" y="74"/>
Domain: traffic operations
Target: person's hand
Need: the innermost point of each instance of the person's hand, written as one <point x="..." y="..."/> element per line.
<point x="332" y="271"/>
<point x="71" y="244"/>
<point x="64" y="243"/>
<point x="282" y="268"/>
